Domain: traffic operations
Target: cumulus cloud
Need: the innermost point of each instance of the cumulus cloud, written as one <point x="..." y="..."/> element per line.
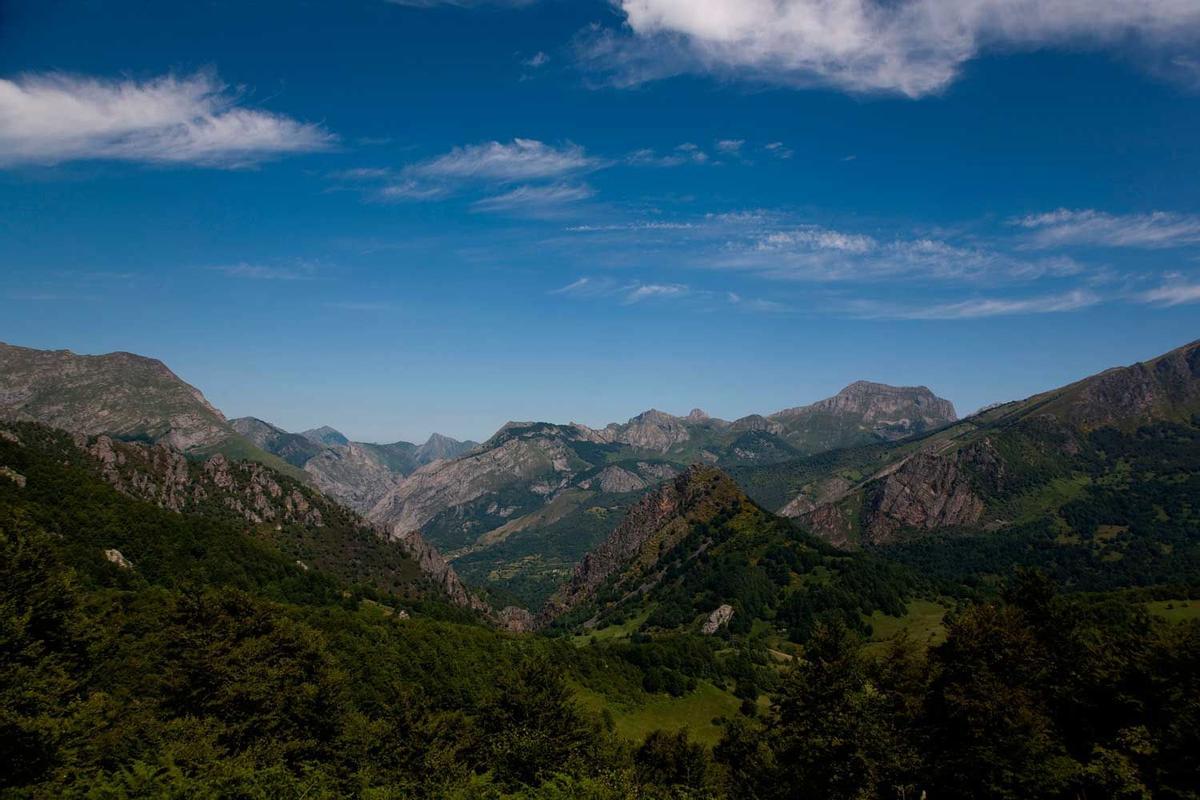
<point x="908" y="47"/>
<point x="53" y="118"/>
<point x="1158" y="229"/>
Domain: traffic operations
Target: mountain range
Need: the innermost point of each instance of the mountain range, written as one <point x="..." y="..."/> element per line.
<point x="546" y="517"/>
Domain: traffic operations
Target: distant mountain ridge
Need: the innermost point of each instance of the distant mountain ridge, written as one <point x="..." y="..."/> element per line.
<point x="356" y="473"/>
<point x="528" y="502"/>
<point x="995" y="469"/>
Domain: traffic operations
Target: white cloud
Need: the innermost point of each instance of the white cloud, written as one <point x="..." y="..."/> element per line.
<point x="816" y="239"/>
<point x="1174" y="291"/>
<point x="755" y="304"/>
<point x="977" y="308"/>
<point x="909" y="47"/>
<point x="730" y="145"/>
<point x="579" y="286"/>
<point x="538" y="59"/>
<point x="779" y="150"/>
<point x="410" y="190"/>
<point x="811" y="253"/>
<point x="259" y="272"/>
<point x="520" y="159"/>
<point x="629" y="293"/>
<point x="535" y="198"/>
<point x="1158" y="229"/>
<point x="52" y="118"/>
<point x="646" y="291"/>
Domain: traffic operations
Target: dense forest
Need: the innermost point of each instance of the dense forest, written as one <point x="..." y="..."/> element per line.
<point x="215" y="668"/>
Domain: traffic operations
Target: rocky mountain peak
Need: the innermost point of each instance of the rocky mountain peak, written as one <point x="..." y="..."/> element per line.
<point x="698" y="415"/>
<point x="327" y="436"/>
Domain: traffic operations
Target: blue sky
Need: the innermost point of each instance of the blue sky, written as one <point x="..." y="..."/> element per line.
<point x="396" y="218"/>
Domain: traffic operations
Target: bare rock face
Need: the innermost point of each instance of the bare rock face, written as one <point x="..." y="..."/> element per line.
<point x="863" y="407"/>
<point x="516" y="619"/>
<point x="878" y="402"/>
<point x="718" y="619"/>
<point x="616" y="480"/>
<point x="832" y="524"/>
<point x="14" y="476"/>
<point x="652" y="430"/>
<point x="120" y="394"/>
<point x="353" y="474"/>
<point x="757" y="422"/>
<point x="827" y="491"/>
<point x="1165" y="387"/>
<point x="928" y="492"/>
<point x="653" y="526"/>
<point x="516" y="453"/>
<point x="164" y="476"/>
<point x="114" y="556"/>
<point x="438" y="569"/>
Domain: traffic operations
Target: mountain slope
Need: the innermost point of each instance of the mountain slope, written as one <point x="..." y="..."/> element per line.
<point x="520" y="509"/>
<point x="293" y="448"/>
<point x="698" y="554"/>
<point x="239" y="499"/>
<point x="121" y="394"/>
<point x="1104" y="467"/>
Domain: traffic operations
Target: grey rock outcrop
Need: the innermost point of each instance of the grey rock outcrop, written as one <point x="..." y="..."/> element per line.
<point x="114" y="556"/>
<point x="718" y="619"/>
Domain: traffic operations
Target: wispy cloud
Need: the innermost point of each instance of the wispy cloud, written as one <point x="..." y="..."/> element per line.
<point x="629" y="292"/>
<point x="537" y="60"/>
<point x="543" y="170"/>
<point x="535" y="198"/>
<point x="650" y="291"/>
<point x="911" y="48"/>
<point x="756" y="304"/>
<point x="261" y="272"/>
<point x="686" y="153"/>
<point x="1157" y="229"/>
<point x="730" y="145"/>
<point x="980" y="307"/>
<point x="814" y="253"/>
<point x="408" y="189"/>
<point x="1175" y="291"/>
<point x="53" y="118"/>
<point x="518" y="160"/>
<point x="779" y="150"/>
